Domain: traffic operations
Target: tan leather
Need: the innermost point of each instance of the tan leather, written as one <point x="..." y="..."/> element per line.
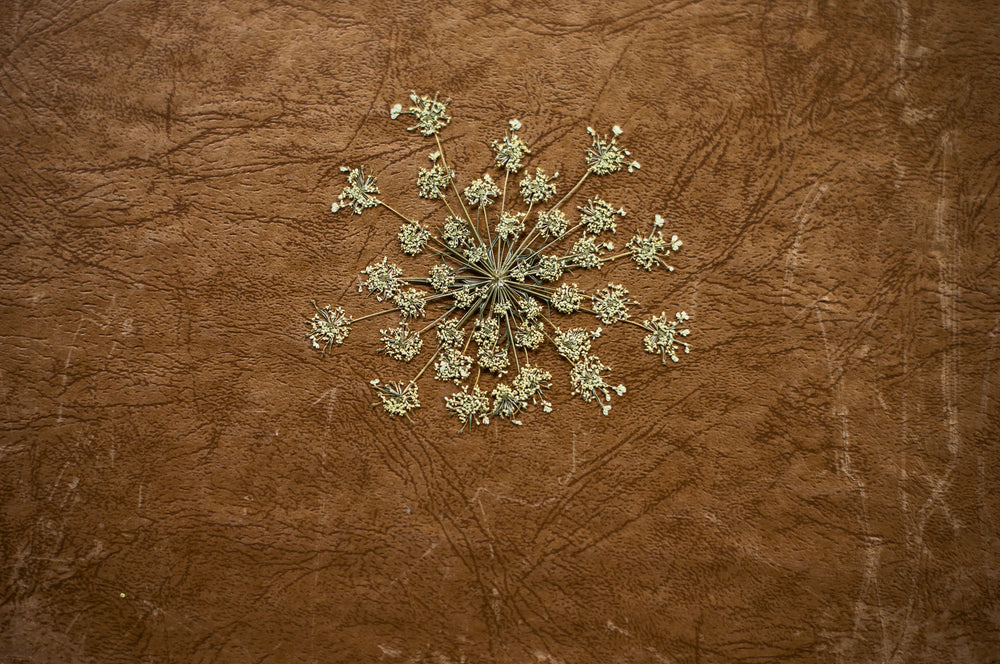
<point x="184" y="479"/>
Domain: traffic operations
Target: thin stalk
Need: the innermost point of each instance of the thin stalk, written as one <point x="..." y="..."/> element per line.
<point x="421" y="372"/>
<point x="453" y="185"/>
<point x="430" y="325"/>
<point x="571" y="191"/>
<point x="377" y="313"/>
<point x="503" y="201"/>
<point x="394" y="211"/>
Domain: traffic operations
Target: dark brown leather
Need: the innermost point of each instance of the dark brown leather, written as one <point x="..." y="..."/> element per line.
<point x="184" y="479"/>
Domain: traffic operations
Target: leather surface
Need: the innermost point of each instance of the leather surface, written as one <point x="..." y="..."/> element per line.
<point x="184" y="479"/>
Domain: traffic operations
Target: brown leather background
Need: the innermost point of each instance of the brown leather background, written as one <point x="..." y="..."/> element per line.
<point x="184" y="479"/>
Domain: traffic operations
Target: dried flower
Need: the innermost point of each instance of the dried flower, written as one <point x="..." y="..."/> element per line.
<point x="507" y="402"/>
<point x="400" y="343"/>
<point x="429" y="113"/>
<point x="413" y="238"/>
<point x="529" y="335"/>
<point x="471" y="408"/>
<point x="501" y="271"/>
<point x="411" y="302"/>
<point x="531" y="381"/>
<point x="537" y="189"/>
<point x="481" y="192"/>
<point x="383" y="279"/>
<point x="456" y="232"/>
<point x="397" y="398"/>
<point x="328" y="326"/>
<point x="442" y="277"/>
<point x="649" y="251"/>
<point x="604" y="156"/>
<point x="359" y="194"/>
<point x="450" y="334"/>
<point x="567" y="298"/>
<point x="588" y="381"/>
<point x="509" y="152"/>
<point x="586" y="253"/>
<point x="432" y="182"/>
<point x="552" y="223"/>
<point x="549" y="268"/>
<point x="452" y="365"/>
<point x="599" y="216"/>
<point x="664" y="333"/>
<point x="611" y="304"/>
<point x="511" y="225"/>
<point x="575" y="343"/>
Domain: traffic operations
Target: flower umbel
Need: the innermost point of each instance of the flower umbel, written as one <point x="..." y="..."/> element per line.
<point x="359" y="194"/>
<point x="429" y="113"/>
<point x="497" y="279"/>
<point x="328" y="327"/>
<point x="664" y="333"/>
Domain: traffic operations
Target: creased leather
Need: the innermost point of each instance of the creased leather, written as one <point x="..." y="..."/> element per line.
<point x="184" y="479"/>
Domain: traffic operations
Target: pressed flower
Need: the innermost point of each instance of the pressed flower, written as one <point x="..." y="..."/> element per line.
<point x="397" y="397"/>
<point x="511" y="225"/>
<point x="664" y="331"/>
<point x="611" y="304"/>
<point x="574" y="343"/>
<point x="328" y="327"/>
<point x="383" y="279"/>
<point x="552" y="223"/>
<point x="538" y="188"/>
<point x="413" y="238"/>
<point x="400" y="343"/>
<point x="432" y="182"/>
<point x="360" y="192"/>
<point x="509" y="153"/>
<point x="470" y="407"/>
<point x="605" y="156"/>
<point x="481" y="192"/>
<point x="567" y="298"/>
<point x="598" y="215"/>
<point x="497" y="276"/>
<point x="429" y="114"/>
<point x="411" y="302"/>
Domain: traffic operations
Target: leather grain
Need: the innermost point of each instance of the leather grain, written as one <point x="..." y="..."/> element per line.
<point x="183" y="479"/>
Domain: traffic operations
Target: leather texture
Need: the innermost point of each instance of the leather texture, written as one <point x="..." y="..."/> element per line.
<point x="184" y="479"/>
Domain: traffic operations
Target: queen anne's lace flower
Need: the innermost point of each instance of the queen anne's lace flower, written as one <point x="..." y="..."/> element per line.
<point x="329" y="326"/>
<point x="360" y="192"/>
<point x="538" y="188"/>
<point x="400" y="343"/>
<point x="411" y="302"/>
<point x="575" y="343"/>
<point x="398" y="398"/>
<point x="587" y="379"/>
<point x="452" y="365"/>
<point x="413" y="238"/>
<point x="552" y="223"/>
<point x="509" y="152"/>
<point x="567" y="298"/>
<point x="604" y="156"/>
<point x="496" y="279"/>
<point x="383" y="279"/>
<point x="663" y="336"/>
<point x="611" y="304"/>
<point x="511" y="225"/>
<point x="587" y="253"/>
<point x="470" y="407"/>
<point x="429" y="113"/>
<point x="598" y="215"/>
<point x="432" y="182"/>
<point x="481" y="192"/>
<point x="442" y="277"/>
